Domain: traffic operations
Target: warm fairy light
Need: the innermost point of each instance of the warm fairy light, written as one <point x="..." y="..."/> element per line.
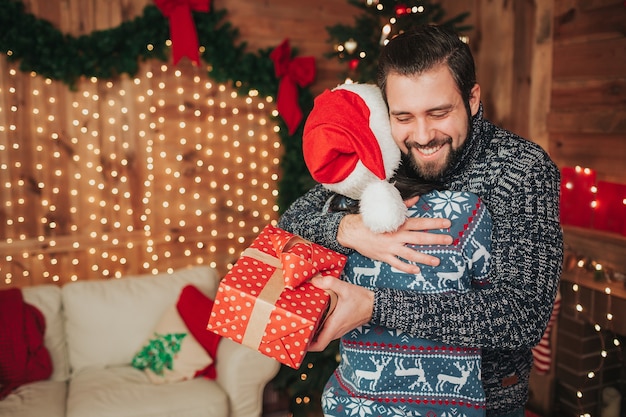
<point x="130" y="179"/>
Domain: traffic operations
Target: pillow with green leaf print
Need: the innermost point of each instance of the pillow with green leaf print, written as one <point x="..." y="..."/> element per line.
<point x="172" y="353"/>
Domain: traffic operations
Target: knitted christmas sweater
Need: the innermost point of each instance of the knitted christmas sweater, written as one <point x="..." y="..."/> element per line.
<point x="388" y="373"/>
<point x="519" y="184"/>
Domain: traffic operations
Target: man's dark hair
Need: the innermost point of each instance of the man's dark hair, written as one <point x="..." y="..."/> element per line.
<point x="424" y="47"/>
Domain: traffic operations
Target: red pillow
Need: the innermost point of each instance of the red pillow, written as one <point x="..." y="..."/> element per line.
<point x="195" y="308"/>
<point x="23" y="355"/>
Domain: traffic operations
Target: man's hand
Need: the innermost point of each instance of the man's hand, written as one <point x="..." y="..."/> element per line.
<point x="388" y="247"/>
<point x="354" y="308"/>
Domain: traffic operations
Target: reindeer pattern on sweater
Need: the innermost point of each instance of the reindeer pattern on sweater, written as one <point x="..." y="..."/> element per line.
<point x="386" y="372"/>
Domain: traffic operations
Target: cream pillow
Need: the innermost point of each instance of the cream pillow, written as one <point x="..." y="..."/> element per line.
<point x="172" y="353"/>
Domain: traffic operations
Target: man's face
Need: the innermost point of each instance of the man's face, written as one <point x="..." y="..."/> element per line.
<point x="429" y="121"/>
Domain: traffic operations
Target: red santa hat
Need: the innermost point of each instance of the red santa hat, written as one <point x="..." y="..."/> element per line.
<point x="348" y="147"/>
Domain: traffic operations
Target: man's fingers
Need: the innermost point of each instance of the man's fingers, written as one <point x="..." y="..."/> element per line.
<point x="403" y="266"/>
<point x="423" y="223"/>
<point x="411" y="256"/>
<point x="324" y="283"/>
<point x="320" y="342"/>
<point x="353" y="309"/>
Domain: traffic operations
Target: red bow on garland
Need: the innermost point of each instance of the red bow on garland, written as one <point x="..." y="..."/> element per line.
<point x="182" y="27"/>
<point x="292" y="73"/>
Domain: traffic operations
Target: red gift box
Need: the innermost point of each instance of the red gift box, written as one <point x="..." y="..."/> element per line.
<point x="266" y="302"/>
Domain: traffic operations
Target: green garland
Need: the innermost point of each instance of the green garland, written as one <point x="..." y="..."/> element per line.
<point x="106" y="54"/>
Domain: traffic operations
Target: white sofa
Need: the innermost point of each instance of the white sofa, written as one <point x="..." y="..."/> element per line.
<point x="94" y="329"/>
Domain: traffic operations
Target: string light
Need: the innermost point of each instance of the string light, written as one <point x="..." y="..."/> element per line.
<point x="582" y="271"/>
<point x="140" y="175"/>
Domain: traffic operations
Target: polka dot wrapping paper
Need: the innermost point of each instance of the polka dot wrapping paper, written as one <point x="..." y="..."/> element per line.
<point x="266" y="301"/>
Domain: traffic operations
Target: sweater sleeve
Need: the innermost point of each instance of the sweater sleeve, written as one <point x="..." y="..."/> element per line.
<point x="526" y="266"/>
<point x="307" y="217"/>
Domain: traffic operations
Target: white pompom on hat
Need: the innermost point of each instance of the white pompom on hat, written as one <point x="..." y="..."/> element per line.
<point x="348" y="148"/>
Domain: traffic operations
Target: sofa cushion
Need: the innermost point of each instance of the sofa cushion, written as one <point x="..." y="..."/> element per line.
<point x="107" y="322"/>
<point x="127" y="392"/>
<point x="41" y="398"/>
<point x="171" y="353"/>
<point x="47" y="298"/>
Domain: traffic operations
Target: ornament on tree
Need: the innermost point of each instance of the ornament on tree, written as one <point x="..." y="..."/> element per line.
<point x="350" y="46"/>
<point x="385" y="34"/>
<point x="401" y="9"/>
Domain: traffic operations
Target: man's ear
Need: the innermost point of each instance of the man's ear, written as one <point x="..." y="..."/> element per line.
<point x="474" y="99"/>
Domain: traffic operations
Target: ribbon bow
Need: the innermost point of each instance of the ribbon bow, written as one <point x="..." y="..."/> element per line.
<point x="182" y="28"/>
<point x="292" y="73"/>
<point x="296" y="259"/>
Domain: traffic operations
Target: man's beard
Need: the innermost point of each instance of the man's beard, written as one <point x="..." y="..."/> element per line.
<point x="432" y="170"/>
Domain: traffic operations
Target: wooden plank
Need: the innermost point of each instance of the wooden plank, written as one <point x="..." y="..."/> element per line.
<point x="609" y="20"/>
<point x="588" y="121"/>
<point x="590" y="5"/>
<point x="563" y="6"/>
<point x="593" y="59"/>
<point x="523" y="47"/>
<point x="541" y="75"/>
<point x="303" y="23"/>
<point x="605" y="153"/>
<point x="583" y="94"/>
<point x="495" y="71"/>
<point x="7" y="89"/>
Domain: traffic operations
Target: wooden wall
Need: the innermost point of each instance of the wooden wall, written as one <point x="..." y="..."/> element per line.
<point x="149" y="174"/>
<point x="587" y="119"/>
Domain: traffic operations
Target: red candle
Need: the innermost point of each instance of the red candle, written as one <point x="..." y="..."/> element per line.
<point x="610" y="208"/>
<point x="577" y="196"/>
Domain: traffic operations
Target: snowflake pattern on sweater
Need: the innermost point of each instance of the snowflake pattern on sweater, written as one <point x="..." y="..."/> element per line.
<point x="387" y="372"/>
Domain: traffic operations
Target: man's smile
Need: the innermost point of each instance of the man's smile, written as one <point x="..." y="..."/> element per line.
<point x="429" y="149"/>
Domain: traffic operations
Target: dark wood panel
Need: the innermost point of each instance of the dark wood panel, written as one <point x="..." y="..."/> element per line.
<point x="264" y="24"/>
<point x="606" y="93"/>
<point x="604" y="153"/>
<point x="592" y="59"/>
<point x="608" y="18"/>
<point x="595" y="120"/>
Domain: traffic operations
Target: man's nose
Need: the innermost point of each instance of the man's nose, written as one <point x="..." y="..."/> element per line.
<point x="422" y="132"/>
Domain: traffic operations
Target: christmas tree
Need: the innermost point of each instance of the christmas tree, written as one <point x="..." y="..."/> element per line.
<point x="358" y="46"/>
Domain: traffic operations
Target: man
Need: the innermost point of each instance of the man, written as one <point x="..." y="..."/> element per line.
<point x="428" y="79"/>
